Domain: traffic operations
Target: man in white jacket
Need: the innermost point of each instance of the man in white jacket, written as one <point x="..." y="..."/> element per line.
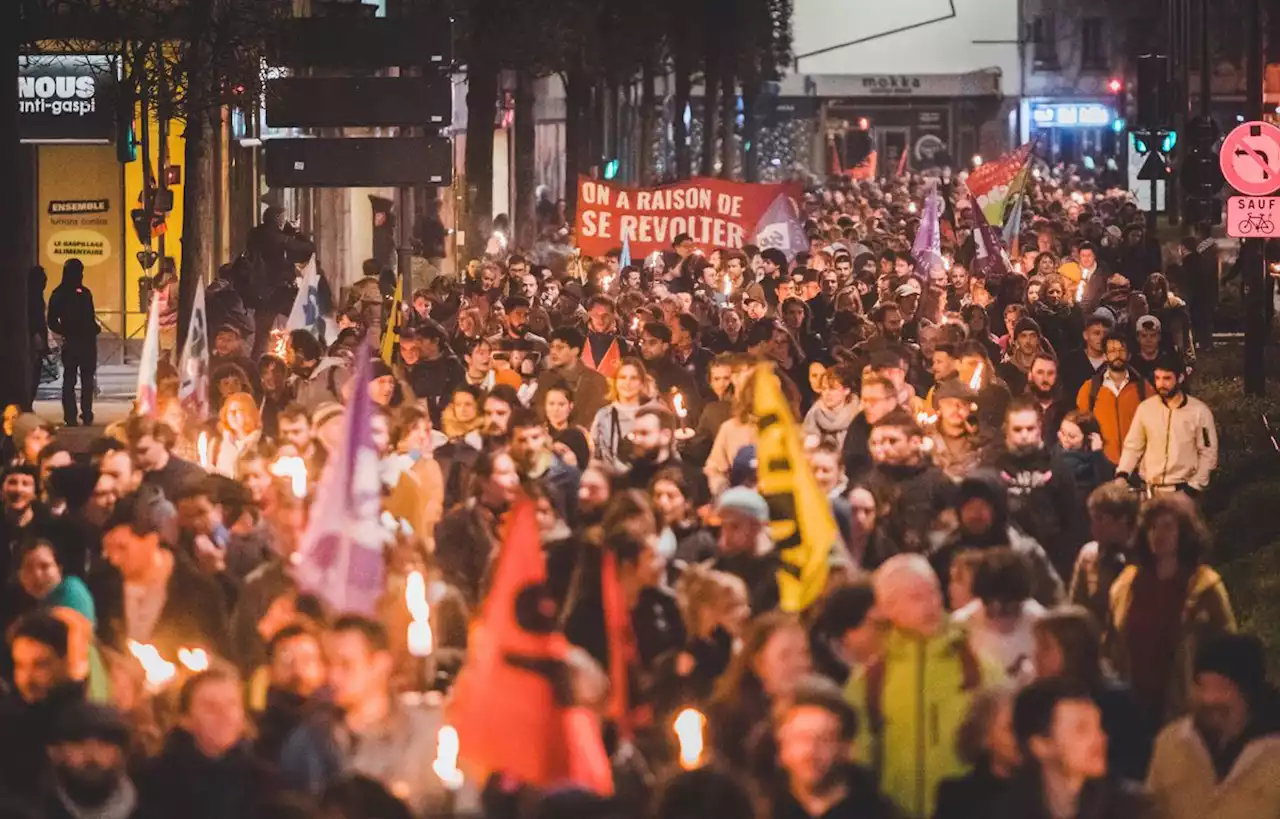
<point x="1173" y="441"/>
<point x="1223" y="760"/>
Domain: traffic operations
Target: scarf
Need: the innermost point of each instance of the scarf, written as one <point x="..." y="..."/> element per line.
<point x="832" y="422"/>
<point x="120" y="805"/>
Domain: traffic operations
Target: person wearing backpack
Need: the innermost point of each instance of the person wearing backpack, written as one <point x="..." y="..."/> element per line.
<point x="1113" y="395"/>
<point x="912" y="700"/>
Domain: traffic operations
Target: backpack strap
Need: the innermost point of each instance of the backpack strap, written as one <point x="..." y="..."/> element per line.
<point x="1095" y="387"/>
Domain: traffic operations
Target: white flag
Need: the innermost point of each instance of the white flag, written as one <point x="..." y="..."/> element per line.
<point x="305" y="314"/>
<point x="193" y="389"/>
<point x="147" y="405"/>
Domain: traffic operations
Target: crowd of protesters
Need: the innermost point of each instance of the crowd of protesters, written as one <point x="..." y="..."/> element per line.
<point x="1020" y="620"/>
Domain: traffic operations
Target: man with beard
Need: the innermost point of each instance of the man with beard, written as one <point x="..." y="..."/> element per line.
<point x="296" y="676"/>
<point x="653" y="449"/>
<point x="22" y="513"/>
<point x="1042" y="493"/>
<point x="531" y="449"/>
<point x="959" y="446"/>
<point x="687" y="352"/>
<point x="1173" y="441"/>
<point x="499" y="406"/>
<point x="605" y="347"/>
<point x="655" y="349"/>
<point x="467" y="536"/>
<point x="89" y="753"/>
<point x="516" y="325"/>
<point x="1024" y="345"/>
<point x="1224" y="758"/>
<point x="1113" y="396"/>
<point x="436" y="371"/>
<point x="1042" y="389"/>
<point x="888" y="319"/>
<point x="911" y="486"/>
<point x="317" y="378"/>
<point x="590" y="389"/>
<point x="39" y="644"/>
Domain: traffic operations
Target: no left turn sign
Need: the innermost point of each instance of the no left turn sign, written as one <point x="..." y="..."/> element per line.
<point x="1250" y="158"/>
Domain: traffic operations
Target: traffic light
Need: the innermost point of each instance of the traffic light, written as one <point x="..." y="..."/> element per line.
<point x="1201" y="173"/>
<point x="611" y="169"/>
<point x="1155" y="109"/>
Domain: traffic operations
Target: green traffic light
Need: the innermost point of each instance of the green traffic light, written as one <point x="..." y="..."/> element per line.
<point x="611" y="169"/>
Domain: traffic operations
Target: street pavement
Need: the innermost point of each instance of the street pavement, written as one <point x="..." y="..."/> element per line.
<point x="117" y="384"/>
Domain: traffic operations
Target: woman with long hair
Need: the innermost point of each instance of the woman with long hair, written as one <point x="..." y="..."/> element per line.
<point x="773" y="659"/>
<point x="611" y="429"/>
<point x="684" y="537"/>
<point x="1164" y="604"/>
<point x="1068" y="643"/>
<point x="715" y="611"/>
<point x="734" y="434"/>
<point x="239" y="429"/>
<point x="569" y="440"/>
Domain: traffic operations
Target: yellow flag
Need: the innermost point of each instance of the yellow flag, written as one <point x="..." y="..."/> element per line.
<point x="391" y="333"/>
<point x="801" y="523"/>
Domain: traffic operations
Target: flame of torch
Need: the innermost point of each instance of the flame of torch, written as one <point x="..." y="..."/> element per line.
<point x="975" y="382"/>
<point x="446" y="761"/>
<point x="925" y="419"/>
<point x="279" y="344"/>
<point x="420" y="638"/>
<point x="728" y="286"/>
<point x="202" y="449"/>
<point x="689" y="725"/>
<point x="677" y="401"/>
<point x="194" y="659"/>
<point x="159" y="671"/>
<point x="295" y="470"/>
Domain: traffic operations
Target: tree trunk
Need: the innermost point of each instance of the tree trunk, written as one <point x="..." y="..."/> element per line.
<point x="710" y="110"/>
<point x="575" y="135"/>
<point x="15" y="338"/>
<point x="680" y="107"/>
<point x="197" y="216"/>
<point x="482" y="95"/>
<point x="728" y="117"/>
<point x="750" y="129"/>
<point x="525" y="227"/>
<point x="645" y="146"/>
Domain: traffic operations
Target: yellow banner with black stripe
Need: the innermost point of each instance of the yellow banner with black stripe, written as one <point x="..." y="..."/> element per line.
<point x="801" y="524"/>
<point x="391" y="333"/>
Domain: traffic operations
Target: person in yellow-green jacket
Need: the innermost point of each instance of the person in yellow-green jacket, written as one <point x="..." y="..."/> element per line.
<point x="912" y="700"/>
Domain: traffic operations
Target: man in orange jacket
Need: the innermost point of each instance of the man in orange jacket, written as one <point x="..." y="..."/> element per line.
<point x="1113" y="396"/>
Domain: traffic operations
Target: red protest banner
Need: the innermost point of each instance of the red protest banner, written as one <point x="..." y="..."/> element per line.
<point x="714" y="212"/>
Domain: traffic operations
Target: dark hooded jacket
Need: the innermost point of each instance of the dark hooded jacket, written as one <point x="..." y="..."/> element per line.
<point x="1044" y="503"/>
<point x="71" y="311"/>
<point x="986" y="485"/>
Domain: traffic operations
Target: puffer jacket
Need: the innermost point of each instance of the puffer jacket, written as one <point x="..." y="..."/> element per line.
<point x="911" y="703"/>
<point x="1172" y="442"/>
<point x="1205" y="611"/>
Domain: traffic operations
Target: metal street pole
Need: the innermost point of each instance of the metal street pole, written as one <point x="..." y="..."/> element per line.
<point x="1256" y="286"/>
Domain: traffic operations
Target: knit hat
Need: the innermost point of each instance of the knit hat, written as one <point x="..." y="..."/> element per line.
<point x="1149" y="323"/>
<point x="1026" y="323"/>
<point x="745" y="465"/>
<point x="953" y="388"/>
<point x="89" y="720"/>
<point x="325" y="412"/>
<point x="24" y="425"/>
<point x="744" y="501"/>
<point x="72" y="594"/>
<point x="1238" y="657"/>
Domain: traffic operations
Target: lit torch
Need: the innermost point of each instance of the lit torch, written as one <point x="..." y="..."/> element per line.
<point x="420" y="638"/>
<point x="975" y="382"/>
<point x="924" y="419"/>
<point x="159" y="671"/>
<point x="280" y="344"/>
<point x="194" y="659"/>
<point x="202" y="450"/>
<point x="295" y="470"/>
<point x="446" y="761"/>
<point x="689" y="726"/>
<point x="728" y="286"/>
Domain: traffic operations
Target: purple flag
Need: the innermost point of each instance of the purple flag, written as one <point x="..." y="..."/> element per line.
<point x="340" y="559"/>
<point x="927" y="250"/>
<point x="780" y="227"/>
<point x="991" y="257"/>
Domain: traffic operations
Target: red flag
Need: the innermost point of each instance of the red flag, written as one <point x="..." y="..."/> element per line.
<point x="511" y="705"/>
<point x="902" y="162"/>
<point x="836" y="167"/>
<point x="866" y="169"/>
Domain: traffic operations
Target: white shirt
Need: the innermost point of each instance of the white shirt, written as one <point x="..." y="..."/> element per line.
<point x="1109" y="383"/>
<point x="1014" y="649"/>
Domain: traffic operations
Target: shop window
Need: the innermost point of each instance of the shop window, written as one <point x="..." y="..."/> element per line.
<point x="1044" y="44"/>
<point x="1093" y="48"/>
